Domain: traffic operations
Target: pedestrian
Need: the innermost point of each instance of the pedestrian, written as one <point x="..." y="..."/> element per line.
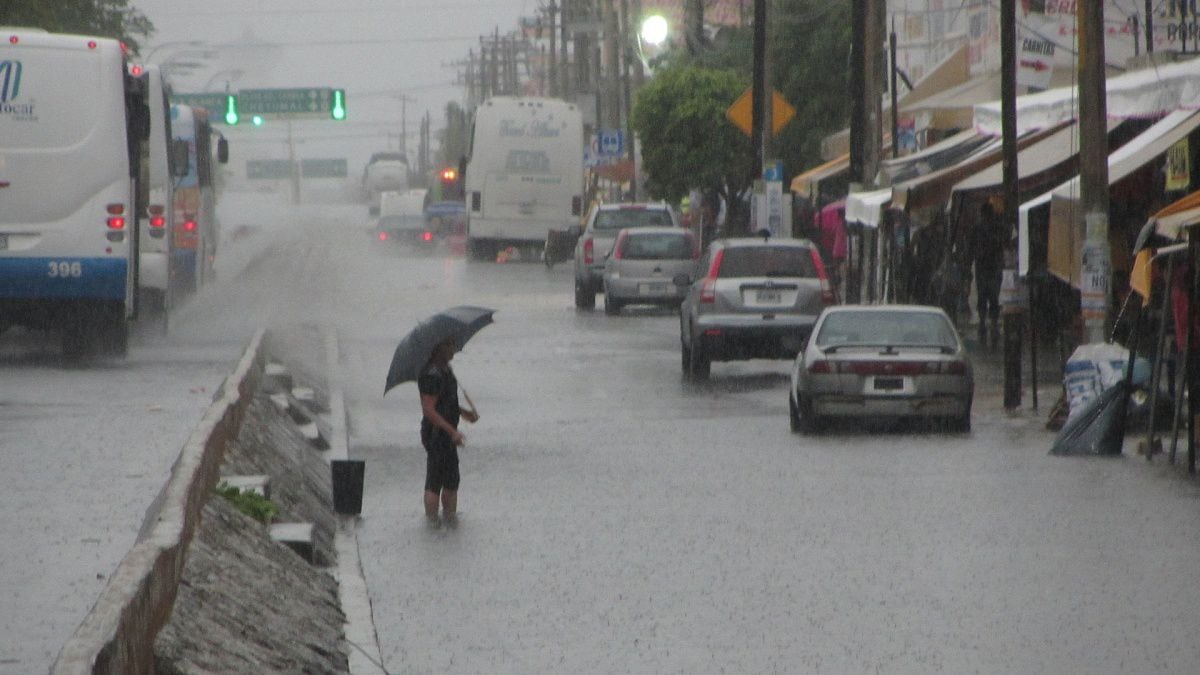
<point x="990" y="242"/>
<point x="440" y="413"/>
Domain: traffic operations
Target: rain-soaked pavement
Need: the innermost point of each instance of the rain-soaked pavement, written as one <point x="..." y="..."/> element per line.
<point x="616" y="519"/>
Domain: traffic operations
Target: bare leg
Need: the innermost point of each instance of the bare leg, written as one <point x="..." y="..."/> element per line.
<point x="449" y="504"/>
<point x="431" y="505"/>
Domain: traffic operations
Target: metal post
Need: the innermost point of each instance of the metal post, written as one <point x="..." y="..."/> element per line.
<point x="1149" y="26"/>
<point x="552" y="85"/>
<point x="1096" y="265"/>
<point x="759" y="88"/>
<point x="1013" y="320"/>
<point x="895" y="97"/>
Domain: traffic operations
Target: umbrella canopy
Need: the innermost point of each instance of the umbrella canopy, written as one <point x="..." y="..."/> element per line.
<point x="413" y="352"/>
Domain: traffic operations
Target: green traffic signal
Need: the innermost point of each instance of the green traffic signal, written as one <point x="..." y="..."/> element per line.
<point x="231" y="109"/>
<point x="337" y="106"/>
<point x="257" y="120"/>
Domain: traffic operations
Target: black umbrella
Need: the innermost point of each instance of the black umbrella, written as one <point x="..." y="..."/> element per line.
<point x="413" y="352"/>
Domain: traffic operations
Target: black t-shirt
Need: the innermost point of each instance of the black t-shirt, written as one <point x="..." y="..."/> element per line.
<point x="439" y="382"/>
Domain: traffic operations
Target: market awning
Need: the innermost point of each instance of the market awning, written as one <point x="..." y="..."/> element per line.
<point x="802" y="184"/>
<point x="1066" y="216"/>
<point x="1145" y="93"/>
<point x="1051" y="152"/>
<point x="1023" y="230"/>
<point x="937" y="156"/>
<point x="866" y="208"/>
<point x="1170" y="221"/>
<point x="934" y="189"/>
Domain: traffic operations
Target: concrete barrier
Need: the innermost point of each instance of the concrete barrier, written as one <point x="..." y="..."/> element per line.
<point x="117" y="636"/>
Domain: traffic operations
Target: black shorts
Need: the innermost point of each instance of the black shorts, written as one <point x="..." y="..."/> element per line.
<point x="441" y="464"/>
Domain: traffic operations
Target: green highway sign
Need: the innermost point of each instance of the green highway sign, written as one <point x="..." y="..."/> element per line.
<point x="268" y="169"/>
<point x="296" y="103"/>
<point x="214" y="103"/>
<point x="323" y="168"/>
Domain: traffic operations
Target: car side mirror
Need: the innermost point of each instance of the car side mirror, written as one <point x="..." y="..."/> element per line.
<point x="682" y="279"/>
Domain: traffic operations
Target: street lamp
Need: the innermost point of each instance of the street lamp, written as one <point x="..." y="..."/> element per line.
<point x="175" y="43"/>
<point x="233" y="73"/>
<point x="654" y="30"/>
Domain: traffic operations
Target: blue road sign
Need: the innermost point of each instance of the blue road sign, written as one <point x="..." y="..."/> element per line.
<point x="611" y="143"/>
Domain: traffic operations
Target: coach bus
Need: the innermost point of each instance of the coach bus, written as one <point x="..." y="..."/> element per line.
<point x="524" y="173"/>
<point x="73" y="123"/>
<point x="196" y="231"/>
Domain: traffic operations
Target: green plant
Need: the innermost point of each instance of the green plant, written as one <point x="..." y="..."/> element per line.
<point x="249" y="502"/>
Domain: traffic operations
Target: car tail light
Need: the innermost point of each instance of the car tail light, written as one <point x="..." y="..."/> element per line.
<point x="946" y="368"/>
<point x="383" y="236"/>
<point x="619" y="246"/>
<point x="158" y="222"/>
<point x="426" y="236"/>
<point x="116" y="222"/>
<point x="708" y="291"/>
<point x="115" y="209"/>
<point x="190" y="226"/>
<point x="589" y="251"/>
<point x="155" y="209"/>
<point x="819" y="368"/>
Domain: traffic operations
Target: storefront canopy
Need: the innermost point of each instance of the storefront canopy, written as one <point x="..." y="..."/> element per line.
<point x="1171" y="221"/>
<point x="1145" y="93"/>
<point x="937" y="156"/>
<point x="934" y="189"/>
<point x="866" y="208"/>
<point x="1066" y="215"/>
<point x="805" y="184"/>
<point x="1048" y="154"/>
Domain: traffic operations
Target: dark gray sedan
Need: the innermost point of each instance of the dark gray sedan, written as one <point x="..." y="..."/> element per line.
<point x="882" y="361"/>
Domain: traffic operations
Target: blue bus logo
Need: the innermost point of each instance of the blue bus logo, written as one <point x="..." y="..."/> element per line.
<point x="10" y="80"/>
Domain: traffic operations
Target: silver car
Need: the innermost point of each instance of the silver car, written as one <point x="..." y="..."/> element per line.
<point x="599" y="233"/>
<point x="882" y="361"/>
<point x="758" y="299"/>
<point x="649" y="266"/>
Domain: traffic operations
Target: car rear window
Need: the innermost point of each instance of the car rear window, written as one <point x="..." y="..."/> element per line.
<point x="886" y="328"/>
<point x="619" y="219"/>
<point x="657" y="246"/>
<point x="767" y="261"/>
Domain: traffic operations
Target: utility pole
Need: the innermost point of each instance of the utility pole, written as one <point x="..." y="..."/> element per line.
<point x="1096" y="265"/>
<point x="865" y="83"/>
<point x="626" y="90"/>
<point x="1149" y="26"/>
<point x="1014" y="319"/>
<point x="552" y="88"/>
<point x="611" y="77"/>
<point x="758" y="92"/>
<point x="564" y="69"/>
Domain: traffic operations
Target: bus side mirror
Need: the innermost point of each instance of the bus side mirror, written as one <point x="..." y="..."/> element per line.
<point x="179" y="158"/>
<point x="222" y="151"/>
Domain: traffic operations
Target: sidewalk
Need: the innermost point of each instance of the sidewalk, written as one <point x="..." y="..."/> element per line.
<point x="989" y="376"/>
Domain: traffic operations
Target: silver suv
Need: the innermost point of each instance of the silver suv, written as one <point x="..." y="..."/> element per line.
<point x="596" y="241"/>
<point x="759" y="298"/>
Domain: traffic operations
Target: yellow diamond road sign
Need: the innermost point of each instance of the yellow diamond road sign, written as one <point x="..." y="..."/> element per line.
<point x="741" y="113"/>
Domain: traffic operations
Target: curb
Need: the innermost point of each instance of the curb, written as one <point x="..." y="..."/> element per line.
<point x="117" y="636"/>
<point x="364" y="655"/>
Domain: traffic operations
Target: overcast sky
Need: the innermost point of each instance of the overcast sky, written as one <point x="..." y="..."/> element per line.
<point x="377" y="50"/>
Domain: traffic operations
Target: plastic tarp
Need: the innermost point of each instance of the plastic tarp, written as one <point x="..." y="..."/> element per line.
<point x="1145" y="93"/>
<point x="866" y="208"/>
<point x="1066" y="218"/>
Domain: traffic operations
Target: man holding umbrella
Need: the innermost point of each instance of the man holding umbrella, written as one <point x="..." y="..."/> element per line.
<point x="424" y="356"/>
<point x="440" y="414"/>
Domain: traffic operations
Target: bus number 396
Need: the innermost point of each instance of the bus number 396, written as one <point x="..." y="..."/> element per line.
<point x="63" y="269"/>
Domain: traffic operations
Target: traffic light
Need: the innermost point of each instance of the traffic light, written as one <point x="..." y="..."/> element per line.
<point x="337" y="105"/>
<point x="231" y="109"/>
<point x="257" y="120"/>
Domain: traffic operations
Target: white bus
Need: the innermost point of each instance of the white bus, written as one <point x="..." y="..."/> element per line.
<point x="166" y="161"/>
<point x="196" y="230"/>
<point x="524" y="175"/>
<point x="73" y="121"/>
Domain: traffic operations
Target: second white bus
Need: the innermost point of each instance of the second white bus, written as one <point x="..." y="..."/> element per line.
<point x="524" y="175"/>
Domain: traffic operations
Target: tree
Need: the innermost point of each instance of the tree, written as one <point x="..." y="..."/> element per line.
<point x="104" y="18"/>
<point x="687" y="143"/>
<point x="453" y="141"/>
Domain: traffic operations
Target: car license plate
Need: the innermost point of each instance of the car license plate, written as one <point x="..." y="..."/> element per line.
<point x="3" y="242"/>
<point x="652" y="289"/>
<point x="768" y="297"/>
<point x="889" y="383"/>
